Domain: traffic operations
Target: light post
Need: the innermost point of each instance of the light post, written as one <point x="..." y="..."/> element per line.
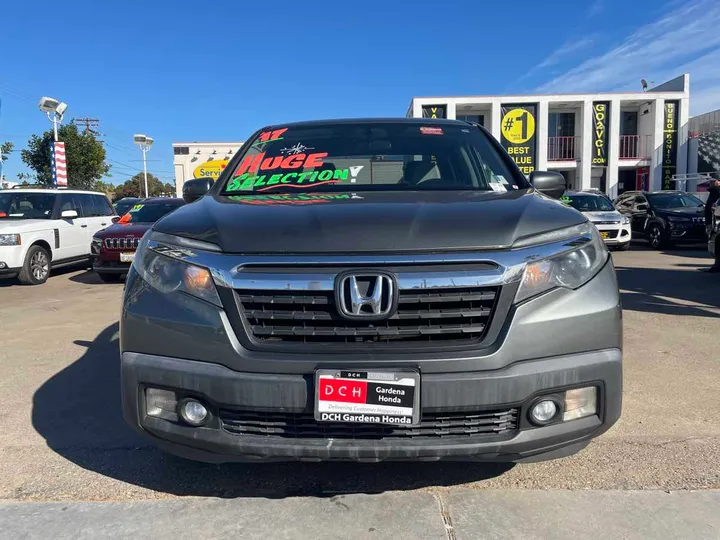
<point x="54" y="110"/>
<point x="144" y="142"/>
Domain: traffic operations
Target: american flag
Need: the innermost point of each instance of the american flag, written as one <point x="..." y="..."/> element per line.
<point x="59" y="164"/>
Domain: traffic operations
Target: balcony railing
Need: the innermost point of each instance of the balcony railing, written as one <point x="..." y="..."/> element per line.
<point x="563" y="148"/>
<point x="635" y="147"/>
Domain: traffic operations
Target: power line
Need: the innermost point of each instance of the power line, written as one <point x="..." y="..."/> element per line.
<point x="91" y="125"/>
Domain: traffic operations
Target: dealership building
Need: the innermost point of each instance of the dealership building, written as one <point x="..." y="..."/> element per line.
<point x="200" y="160"/>
<point x="613" y="142"/>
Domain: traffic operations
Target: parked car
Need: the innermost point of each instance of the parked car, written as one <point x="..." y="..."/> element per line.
<point x="420" y="312"/>
<point x="613" y="226"/>
<point x="42" y="229"/>
<point x="714" y="233"/>
<point x="664" y="218"/>
<point x="113" y="249"/>
<point x="124" y="205"/>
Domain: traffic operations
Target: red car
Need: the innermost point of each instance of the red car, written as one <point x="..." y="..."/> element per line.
<point x="113" y="249"/>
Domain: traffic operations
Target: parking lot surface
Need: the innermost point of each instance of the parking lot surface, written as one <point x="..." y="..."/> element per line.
<point x="63" y="436"/>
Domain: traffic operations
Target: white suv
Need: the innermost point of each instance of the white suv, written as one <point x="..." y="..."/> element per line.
<point x="45" y="228"/>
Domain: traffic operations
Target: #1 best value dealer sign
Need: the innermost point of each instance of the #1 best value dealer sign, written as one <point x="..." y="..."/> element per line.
<point x="519" y="135"/>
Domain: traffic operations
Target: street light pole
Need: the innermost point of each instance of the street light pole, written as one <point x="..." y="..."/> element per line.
<point x="144" y="142"/>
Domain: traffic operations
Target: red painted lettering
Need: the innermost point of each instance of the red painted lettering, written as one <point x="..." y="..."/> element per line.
<point x="315" y="160"/>
<point x="249" y="163"/>
<point x="271" y="163"/>
<point x="271" y="135"/>
<point x="293" y="162"/>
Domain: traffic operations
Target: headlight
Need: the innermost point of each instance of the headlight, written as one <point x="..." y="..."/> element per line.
<point x="678" y="219"/>
<point x="165" y="272"/>
<point x="625" y="220"/>
<point x="9" y="239"/>
<point x="97" y="243"/>
<point x="570" y="269"/>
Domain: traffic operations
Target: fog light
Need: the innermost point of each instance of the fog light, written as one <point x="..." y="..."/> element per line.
<point x="161" y="404"/>
<point x="2" y="265"/>
<point x="580" y="403"/>
<point x="193" y="412"/>
<point x="543" y="411"/>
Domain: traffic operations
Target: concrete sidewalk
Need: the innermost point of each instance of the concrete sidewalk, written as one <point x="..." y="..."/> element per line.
<point x="457" y="514"/>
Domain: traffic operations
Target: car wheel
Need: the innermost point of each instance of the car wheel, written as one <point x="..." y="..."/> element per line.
<point x="656" y="236"/>
<point x="110" y="278"/>
<point x="36" y="269"/>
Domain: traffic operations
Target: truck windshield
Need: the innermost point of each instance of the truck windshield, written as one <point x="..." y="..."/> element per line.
<point x="371" y="157"/>
<point x="26" y="205"/>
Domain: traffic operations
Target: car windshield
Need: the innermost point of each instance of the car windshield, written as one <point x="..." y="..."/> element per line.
<point x="674" y="200"/>
<point x="26" y="205"/>
<point x="122" y="207"/>
<point x="148" y="213"/>
<point x="588" y="203"/>
<point x="371" y="157"/>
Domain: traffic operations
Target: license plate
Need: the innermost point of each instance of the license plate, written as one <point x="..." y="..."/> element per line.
<point x="127" y="257"/>
<point x="604" y="234"/>
<point x="367" y="397"/>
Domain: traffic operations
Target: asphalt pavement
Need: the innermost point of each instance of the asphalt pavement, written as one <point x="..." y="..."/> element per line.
<point x="64" y="444"/>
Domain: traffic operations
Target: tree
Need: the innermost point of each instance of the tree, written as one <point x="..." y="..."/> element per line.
<point x="5" y="149"/>
<point x="135" y="187"/>
<point x="85" y="157"/>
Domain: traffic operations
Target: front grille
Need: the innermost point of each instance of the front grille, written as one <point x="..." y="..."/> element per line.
<point x="122" y="243"/>
<point x="609" y="234"/>
<point x="432" y="426"/>
<point x="423" y="315"/>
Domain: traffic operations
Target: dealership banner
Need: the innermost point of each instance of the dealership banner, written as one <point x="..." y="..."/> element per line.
<point x="601" y="114"/>
<point x="670" y="143"/>
<point x="434" y="111"/>
<point x="518" y="128"/>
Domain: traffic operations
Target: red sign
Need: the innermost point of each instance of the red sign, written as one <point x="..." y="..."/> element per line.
<point x="642" y="179"/>
<point x="295" y="161"/>
<point x="340" y="390"/>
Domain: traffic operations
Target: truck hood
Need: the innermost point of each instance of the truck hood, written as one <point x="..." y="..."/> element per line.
<point x="10" y="225"/>
<point x="685" y="211"/>
<point x="124" y="230"/>
<point x="368" y="222"/>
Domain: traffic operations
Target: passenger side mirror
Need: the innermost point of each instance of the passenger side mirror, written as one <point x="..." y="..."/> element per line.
<point x="68" y="214"/>
<point x="196" y="188"/>
<point x="549" y="183"/>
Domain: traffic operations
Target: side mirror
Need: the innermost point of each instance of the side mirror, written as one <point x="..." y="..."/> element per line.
<point x="641" y="208"/>
<point x="549" y="183"/>
<point x="196" y="188"/>
<point x="115" y="219"/>
<point x="68" y="214"/>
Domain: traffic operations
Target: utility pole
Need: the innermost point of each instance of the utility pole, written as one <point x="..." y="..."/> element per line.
<point x="91" y="125"/>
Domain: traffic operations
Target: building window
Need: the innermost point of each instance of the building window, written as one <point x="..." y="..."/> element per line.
<point x="474" y="118"/>
<point x="562" y="125"/>
<point x="628" y="123"/>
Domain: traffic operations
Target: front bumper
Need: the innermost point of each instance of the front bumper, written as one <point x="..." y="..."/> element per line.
<point x="516" y="385"/>
<point x="617" y="234"/>
<point x="103" y="266"/>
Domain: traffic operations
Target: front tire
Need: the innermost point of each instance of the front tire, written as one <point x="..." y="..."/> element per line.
<point x="656" y="237"/>
<point x="36" y="269"/>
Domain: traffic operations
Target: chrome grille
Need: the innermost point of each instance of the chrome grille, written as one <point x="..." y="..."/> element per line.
<point x="432" y="426"/>
<point x="122" y="243"/>
<point x="423" y="315"/>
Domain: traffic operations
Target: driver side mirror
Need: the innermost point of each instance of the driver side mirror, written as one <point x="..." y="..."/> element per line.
<point x="115" y="219"/>
<point x="68" y="214"/>
<point x="549" y="183"/>
<point x="196" y="188"/>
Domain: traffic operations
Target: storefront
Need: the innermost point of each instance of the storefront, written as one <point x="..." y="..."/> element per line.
<point x="201" y="160"/>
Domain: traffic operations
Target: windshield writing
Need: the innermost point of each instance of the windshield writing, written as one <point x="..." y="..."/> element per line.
<point x="147" y="213"/>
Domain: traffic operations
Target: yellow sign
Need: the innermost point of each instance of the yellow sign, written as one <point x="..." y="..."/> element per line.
<point x="210" y="169"/>
<point x="518" y="126"/>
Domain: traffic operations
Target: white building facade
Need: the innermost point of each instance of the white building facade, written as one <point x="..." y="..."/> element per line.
<point x="201" y="160"/>
<point x="614" y="142"/>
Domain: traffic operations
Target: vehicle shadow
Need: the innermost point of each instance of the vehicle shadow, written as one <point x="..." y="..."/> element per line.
<point x="78" y="413"/>
<point x="56" y="272"/>
<point x="669" y="291"/>
<point x="90" y="277"/>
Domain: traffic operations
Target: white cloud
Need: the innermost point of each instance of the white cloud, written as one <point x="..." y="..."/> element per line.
<point x="596" y="8"/>
<point x="566" y="51"/>
<point x="686" y="39"/>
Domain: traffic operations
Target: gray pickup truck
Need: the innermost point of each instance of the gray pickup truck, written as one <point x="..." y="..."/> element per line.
<point x="372" y="290"/>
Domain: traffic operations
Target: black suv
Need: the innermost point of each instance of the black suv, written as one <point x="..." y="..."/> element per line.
<point x="372" y="290"/>
<point x="664" y="218"/>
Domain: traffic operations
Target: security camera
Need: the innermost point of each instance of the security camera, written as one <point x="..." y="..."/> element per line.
<point x="48" y="104"/>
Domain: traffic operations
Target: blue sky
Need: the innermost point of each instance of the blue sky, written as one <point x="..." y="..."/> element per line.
<point x="217" y="70"/>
